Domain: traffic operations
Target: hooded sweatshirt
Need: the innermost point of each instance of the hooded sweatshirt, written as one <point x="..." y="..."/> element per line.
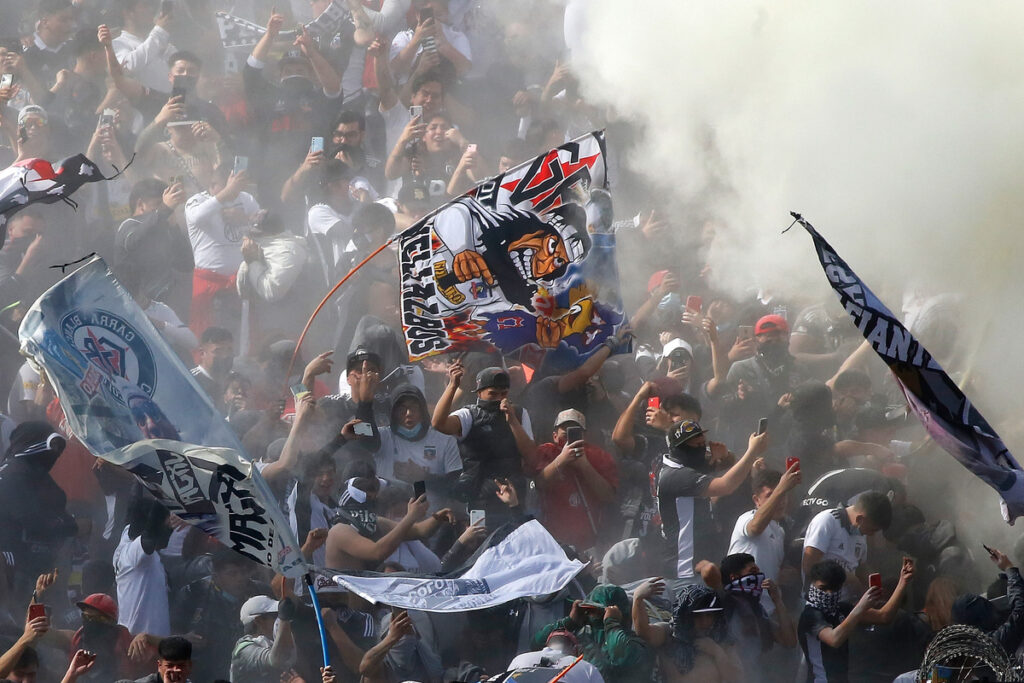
<point x="974" y="610"/>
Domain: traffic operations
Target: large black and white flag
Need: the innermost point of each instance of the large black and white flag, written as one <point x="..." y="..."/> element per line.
<point x="946" y="413"/>
<point x="516" y="563"/>
<point x="37" y="180"/>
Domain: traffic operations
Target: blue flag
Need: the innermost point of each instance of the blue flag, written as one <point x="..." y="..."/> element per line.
<point x="945" y="411"/>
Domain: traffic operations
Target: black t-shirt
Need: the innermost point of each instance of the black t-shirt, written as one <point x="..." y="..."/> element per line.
<point x="824" y="663"/>
<point x="686" y="523"/>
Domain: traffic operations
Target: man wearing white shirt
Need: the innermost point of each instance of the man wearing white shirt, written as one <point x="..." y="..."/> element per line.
<point x="757" y="532"/>
<point x="331" y="217"/>
<point x="217" y="220"/>
<point x="144" y="44"/>
<point x="841" y="533"/>
<point x="432" y="33"/>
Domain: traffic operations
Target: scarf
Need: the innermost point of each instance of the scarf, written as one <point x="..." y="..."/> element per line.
<point x="826" y="601"/>
<point x="747" y="585"/>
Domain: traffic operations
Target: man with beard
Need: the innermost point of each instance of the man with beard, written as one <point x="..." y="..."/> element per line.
<point x="361" y="540"/>
<point x="494" y="260"/>
<point x="411" y="450"/>
<point x="749" y="627"/>
<point x="349" y="138"/>
<point x="685" y="487"/>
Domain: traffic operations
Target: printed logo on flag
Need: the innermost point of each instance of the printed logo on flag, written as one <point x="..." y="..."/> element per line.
<point x="113" y="348"/>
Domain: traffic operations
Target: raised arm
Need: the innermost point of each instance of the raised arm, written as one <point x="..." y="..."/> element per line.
<point x="372" y="665"/>
<point x="731" y="480"/>
<point x="835" y="636"/>
<point x="442" y="419"/>
<point x="887" y="612"/>
<point x="764" y="514"/>
<point x="623" y="435"/>
<point x="654" y="634"/>
<point x="329" y="79"/>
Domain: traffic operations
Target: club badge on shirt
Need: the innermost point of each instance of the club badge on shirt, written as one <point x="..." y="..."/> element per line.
<point x="429" y="452"/>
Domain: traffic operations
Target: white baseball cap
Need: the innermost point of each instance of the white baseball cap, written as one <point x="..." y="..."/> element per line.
<point x="256" y="606"/>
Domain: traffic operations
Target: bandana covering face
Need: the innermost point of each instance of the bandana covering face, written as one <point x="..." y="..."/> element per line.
<point x="751" y="584"/>
<point x="826" y="601"/>
<point x="356" y="511"/>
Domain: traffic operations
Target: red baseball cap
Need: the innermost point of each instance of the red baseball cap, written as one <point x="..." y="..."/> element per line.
<point x="102" y="603"/>
<point x="770" y="323"/>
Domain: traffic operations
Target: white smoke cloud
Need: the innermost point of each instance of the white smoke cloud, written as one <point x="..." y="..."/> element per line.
<point x="896" y="128"/>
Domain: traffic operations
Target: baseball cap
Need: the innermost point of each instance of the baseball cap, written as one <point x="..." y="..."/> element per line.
<point x="770" y="323"/>
<point x="571" y="415"/>
<point x="683" y="431"/>
<point x="492" y="377"/>
<point x="255" y="606"/>
<point x="706" y="602"/>
<point x="361" y="353"/>
<point x="676" y="345"/>
<point x="32" y="110"/>
<point x="101" y="602"/>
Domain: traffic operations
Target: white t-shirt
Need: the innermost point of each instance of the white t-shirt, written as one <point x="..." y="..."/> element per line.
<point x="584" y="672"/>
<point x="141" y="589"/>
<point x="768" y="549"/>
<point x="838" y="541"/>
<point x="466" y="420"/>
<point x="216" y="246"/>
<point x="437" y="453"/>
<point x="324" y="220"/>
<point x="145" y="59"/>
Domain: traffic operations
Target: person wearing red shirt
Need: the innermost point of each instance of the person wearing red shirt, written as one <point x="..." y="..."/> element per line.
<point x="576" y="481"/>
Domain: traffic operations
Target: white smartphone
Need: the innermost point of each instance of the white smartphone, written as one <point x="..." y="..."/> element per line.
<point x="476" y="516"/>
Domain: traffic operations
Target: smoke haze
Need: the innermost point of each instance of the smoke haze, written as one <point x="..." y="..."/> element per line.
<point x="896" y="128"/>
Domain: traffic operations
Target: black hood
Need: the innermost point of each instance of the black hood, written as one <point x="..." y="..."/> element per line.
<point x="36" y="443"/>
<point x="406" y="391"/>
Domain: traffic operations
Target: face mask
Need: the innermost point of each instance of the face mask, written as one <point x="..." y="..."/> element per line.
<point x="407" y="433"/>
<point x="774" y="353"/>
<point x="488" y="406"/>
<point x="220" y="367"/>
<point x="748" y="585"/>
<point x="826" y="601"/>
<point x="186" y="83"/>
<point x="296" y="86"/>
<point x="690" y="456"/>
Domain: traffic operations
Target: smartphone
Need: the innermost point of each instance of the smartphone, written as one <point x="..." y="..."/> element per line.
<point x="426" y="13"/>
<point x="36" y="610"/>
<point x="694" y="303"/>
<point x="991" y="553"/>
<point x="316" y="144"/>
<point x="107" y="118"/>
<point x="573" y="434"/>
<point x="6" y="80"/>
<point x="175" y="180"/>
<point x="298" y="391"/>
<point x="471" y="147"/>
<point x="874" y="580"/>
<point x="419" y="488"/>
<point x="476" y="517"/>
<point x="241" y="164"/>
<point x="654" y="403"/>
<point x="178" y="87"/>
<point x="791" y="460"/>
<point x="744" y="332"/>
<point x="364" y="429"/>
<point x="416" y="110"/>
<point x="762" y="425"/>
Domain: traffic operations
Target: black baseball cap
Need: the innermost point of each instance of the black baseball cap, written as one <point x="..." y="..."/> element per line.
<point x="361" y="353"/>
<point x="683" y="431"/>
<point x="492" y="377"/>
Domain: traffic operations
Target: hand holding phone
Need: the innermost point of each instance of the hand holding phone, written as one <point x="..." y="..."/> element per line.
<point x="419" y="488"/>
<point x="874" y="581"/>
<point x="574" y="434"/>
<point x="316" y="144"/>
<point x="654" y="403"/>
<point x="762" y="426"/>
<point x="792" y="460"/>
<point x="36" y="610"/>
<point x="366" y="429"/>
<point x="477" y="517"/>
<point x="6" y="80"/>
<point x="694" y="303"/>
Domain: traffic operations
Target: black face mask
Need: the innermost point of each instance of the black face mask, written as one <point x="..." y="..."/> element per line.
<point x="186" y="83"/>
<point x="296" y="86"/>
<point x="690" y="456"/>
<point x="98" y="636"/>
<point x="220" y="367"/>
<point x="774" y="353"/>
<point x="488" y="406"/>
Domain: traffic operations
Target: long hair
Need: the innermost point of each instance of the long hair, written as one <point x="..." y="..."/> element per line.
<point x="938" y="603"/>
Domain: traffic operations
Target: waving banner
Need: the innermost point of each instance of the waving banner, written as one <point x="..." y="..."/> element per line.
<point x="130" y="400"/>
<point x="946" y="413"/>
<point x="525" y="562"/>
<point x="36" y="180"/>
<point x="512" y="262"/>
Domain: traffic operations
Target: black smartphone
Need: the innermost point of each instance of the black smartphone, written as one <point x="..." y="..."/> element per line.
<point x="573" y="434"/>
<point x="419" y="488"/>
<point x="992" y="553"/>
<point x="426" y="13"/>
<point x="762" y="425"/>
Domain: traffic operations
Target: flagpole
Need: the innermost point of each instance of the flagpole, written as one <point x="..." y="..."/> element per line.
<point x="319" y="619"/>
<point x="564" y="671"/>
<point x="327" y="297"/>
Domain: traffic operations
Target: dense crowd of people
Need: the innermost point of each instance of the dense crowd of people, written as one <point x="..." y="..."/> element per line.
<point x="732" y="470"/>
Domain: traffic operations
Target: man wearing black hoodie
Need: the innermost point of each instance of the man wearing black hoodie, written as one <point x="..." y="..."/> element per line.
<point x="411" y="450"/>
<point x="974" y="610"/>
<point x="33" y="522"/>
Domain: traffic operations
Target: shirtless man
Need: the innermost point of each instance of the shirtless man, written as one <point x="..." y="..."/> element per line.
<point x="688" y="649"/>
<point x="360" y="540"/>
